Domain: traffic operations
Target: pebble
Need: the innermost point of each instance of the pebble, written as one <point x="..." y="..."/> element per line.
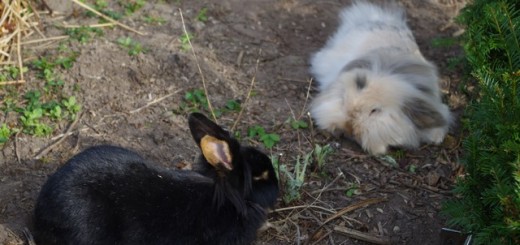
<point x="396" y="229"/>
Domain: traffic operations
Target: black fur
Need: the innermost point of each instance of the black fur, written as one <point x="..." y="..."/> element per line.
<point x="111" y="195"/>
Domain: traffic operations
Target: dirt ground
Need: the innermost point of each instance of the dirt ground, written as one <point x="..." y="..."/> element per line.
<point x="119" y="96"/>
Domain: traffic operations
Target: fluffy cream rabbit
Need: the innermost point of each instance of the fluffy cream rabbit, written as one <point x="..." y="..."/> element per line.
<point x="375" y="85"/>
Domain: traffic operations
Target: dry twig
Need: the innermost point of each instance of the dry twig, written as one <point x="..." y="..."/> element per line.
<point x="253" y="80"/>
<point x="155" y="101"/>
<point x="198" y="66"/>
<point x="107" y="18"/>
<point x="361" y="235"/>
<point x="51" y="146"/>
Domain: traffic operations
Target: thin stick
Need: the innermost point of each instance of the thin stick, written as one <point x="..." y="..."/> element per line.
<point x="346" y="210"/>
<point x="198" y="66"/>
<point x="251" y="86"/>
<point x="303" y="207"/>
<point x="306" y="98"/>
<point x="16" y="150"/>
<point x="354" y="207"/>
<point x="92" y="25"/>
<point x="19" y="53"/>
<point x="45" y="39"/>
<point x="107" y="18"/>
<point x="50" y="147"/>
<point x="12" y="82"/>
<point x="154" y="102"/>
<point x="361" y="235"/>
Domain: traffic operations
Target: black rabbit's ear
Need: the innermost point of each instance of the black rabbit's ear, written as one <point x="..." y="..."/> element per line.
<point x="216" y="152"/>
<point x="212" y="140"/>
<point x="201" y="126"/>
<point x="423" y="114"/>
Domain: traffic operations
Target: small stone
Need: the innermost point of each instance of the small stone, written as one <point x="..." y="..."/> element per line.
<point x="396" y="229"/>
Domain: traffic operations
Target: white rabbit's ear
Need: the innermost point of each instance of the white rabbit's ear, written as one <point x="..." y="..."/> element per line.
<point x="423" y="114"/>
<point x="216" y="152"/>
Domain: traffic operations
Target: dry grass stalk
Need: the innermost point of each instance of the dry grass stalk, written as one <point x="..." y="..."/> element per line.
<point x="17" y="22"/>
<point x="115" y="22"/>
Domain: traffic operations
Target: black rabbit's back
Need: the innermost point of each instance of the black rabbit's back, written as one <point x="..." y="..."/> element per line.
<point x="110" y="195"/>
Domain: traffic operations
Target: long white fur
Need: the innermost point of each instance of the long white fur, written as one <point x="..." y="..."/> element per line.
<point x="397" y="76"/>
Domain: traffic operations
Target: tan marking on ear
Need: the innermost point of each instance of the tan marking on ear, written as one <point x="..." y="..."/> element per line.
<point x="263" y="176"/>
<point x="216" y="151"/>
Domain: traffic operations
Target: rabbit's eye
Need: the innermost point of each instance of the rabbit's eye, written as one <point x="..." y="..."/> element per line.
<point x="375" y="110"/>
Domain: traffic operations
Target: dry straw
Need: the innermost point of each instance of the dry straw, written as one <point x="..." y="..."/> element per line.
<point x="17" y="22"/>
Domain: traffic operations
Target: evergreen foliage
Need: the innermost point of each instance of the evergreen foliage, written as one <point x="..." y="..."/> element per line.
<point x="488" y="196"/>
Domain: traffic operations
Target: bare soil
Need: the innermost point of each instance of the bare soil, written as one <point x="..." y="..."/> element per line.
<point x="119" y="94"/>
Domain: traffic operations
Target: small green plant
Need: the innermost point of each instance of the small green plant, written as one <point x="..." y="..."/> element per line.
<point x="102" y="6"/>
<point x="5" y="133"/>
<point x="202" y="15"/>
<point x="131" y="6"/>
<point x="232" y="105"/>
<point x="185" y="41"/>
<point x="412" y="168"/>
<point x="268" y="139"/>
<point x="154" y="19"/>
<point x="297" y="123"/>
<point x="196" y="101"/>
<point x="133" y="47"/>
<point x="321" y="154"/>
<point x="294" y="180"/>
<point x="11" y="73"/>
<point x="352" y="190"/>
<point x="84" y="34"/>
<point x="72" y="106"/>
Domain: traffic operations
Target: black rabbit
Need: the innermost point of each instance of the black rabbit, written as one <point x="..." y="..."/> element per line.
<point x="111" y="195"/>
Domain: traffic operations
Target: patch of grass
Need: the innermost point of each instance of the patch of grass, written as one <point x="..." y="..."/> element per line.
<point x="154" y="19"/>
<point x="196" y="101"/>
<point x="321" y="153"/>
<point x="296" y="123"/>
<point x="11" y="73"/>
<point x="6" y="132"/>
<point x="352" y="190"/>
<point x="268" y="139"/>
<point x="131" y="6"/>
<point x="202" y="16"/>
<point x="39" y="109"/>
<point x="185" y="41"/>
<point x="83" y="34"/>
<point x="295" y="179"/>
<point x="133" y="47"/>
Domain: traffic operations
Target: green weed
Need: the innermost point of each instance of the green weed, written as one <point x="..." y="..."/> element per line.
<point x="11" y="73"/>
<point x="154" y="19"/>
<point x="131" y="6"/>
<point x="185" y="41"/>
<point x="352" y="190"/>
<point x="133" y="47"/>
<point x="5" y="133"/>
<point x="83" y="34"/>
<point x="297" y="124"/>
<point x="321" y="154"/>
<point x="294" y="180"/>
<point x="202" y="15"/>
<point x="268" y="139"/>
